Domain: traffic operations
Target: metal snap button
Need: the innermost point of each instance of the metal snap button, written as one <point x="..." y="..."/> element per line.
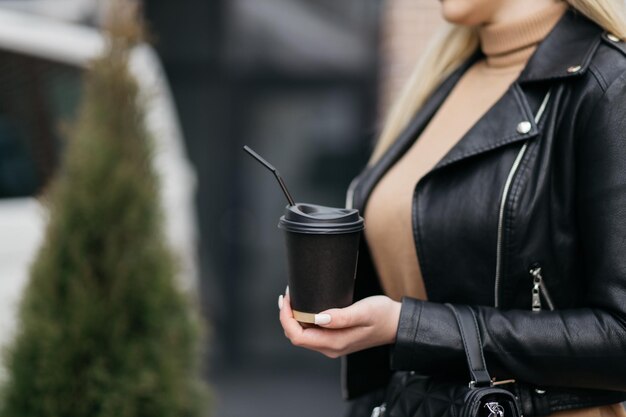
<point x="574" y="69"/>
<point x="524" y="127"/>
<point x="613" y="37"/>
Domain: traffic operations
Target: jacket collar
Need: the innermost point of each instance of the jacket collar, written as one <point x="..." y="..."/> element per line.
<point x="565" y="52"/>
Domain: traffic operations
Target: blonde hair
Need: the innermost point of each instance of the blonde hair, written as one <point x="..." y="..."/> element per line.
<point x="452" y="45"/>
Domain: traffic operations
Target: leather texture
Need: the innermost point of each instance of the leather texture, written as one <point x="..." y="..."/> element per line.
<point x="472" y="345"/>
<point x="564" y="211"/>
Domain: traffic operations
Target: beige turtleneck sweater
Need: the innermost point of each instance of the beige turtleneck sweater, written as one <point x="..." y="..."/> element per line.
<point x="507" y="47"/>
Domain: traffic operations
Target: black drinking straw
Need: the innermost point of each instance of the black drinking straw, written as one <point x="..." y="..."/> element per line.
<point x="274" y="171"/>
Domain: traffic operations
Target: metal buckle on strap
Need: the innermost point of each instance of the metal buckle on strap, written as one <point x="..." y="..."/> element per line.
<point x="494" y="383"/>
<point x="503" y="382"/>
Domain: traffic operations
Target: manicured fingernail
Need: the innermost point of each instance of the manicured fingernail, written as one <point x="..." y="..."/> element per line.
<point x="322" y="319"/>
<point x="287" y="290"/>
<point x="280" y="302"/>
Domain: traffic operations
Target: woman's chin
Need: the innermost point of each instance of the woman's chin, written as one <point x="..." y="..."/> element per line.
<point x="463" y="19"/>
<point x="462" y="12"/>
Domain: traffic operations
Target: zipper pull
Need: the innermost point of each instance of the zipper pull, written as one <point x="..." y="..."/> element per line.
<point x="539" y="290"/>
<point x="536" y="296"/>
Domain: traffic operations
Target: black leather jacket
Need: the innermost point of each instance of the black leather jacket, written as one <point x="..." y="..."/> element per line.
<point x="530" y="202"/>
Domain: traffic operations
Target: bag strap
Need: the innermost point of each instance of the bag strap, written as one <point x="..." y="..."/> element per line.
<point x="472" y="344"/>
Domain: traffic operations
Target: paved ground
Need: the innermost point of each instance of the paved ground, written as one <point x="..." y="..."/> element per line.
<point x="260" y="393"/>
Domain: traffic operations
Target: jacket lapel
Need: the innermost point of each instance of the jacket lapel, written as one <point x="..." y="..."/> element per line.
<point x="509" y="120"/>
<point x="566" y="52"/>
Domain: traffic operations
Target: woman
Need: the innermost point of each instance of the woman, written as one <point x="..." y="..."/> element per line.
<point x="500" y="174"/>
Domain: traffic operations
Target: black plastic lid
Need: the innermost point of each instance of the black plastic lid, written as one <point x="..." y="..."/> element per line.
<point x="314" y="219"/>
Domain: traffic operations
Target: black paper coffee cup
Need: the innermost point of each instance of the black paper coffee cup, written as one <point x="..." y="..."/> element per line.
<point x="322" y="253"/>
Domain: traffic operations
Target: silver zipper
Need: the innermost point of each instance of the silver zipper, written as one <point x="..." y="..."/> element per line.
<point x="505" y="194"/>
<point x="539" y="289"/>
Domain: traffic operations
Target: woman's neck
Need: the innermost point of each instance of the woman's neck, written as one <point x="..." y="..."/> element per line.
<point x="512" y="42"/>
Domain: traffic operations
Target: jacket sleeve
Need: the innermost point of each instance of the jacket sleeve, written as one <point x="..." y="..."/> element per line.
<point x="582" y="347"/>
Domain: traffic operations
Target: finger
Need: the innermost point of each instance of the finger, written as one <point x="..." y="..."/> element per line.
<point x="310" y="337"/>
<point x="341" y="318"/>
<point x="290" y="325"/>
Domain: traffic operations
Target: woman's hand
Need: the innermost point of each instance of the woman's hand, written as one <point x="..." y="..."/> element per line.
<point x="367" y="323"/>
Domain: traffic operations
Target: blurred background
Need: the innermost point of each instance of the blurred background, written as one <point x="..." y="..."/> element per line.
<point x="304" y="83"/>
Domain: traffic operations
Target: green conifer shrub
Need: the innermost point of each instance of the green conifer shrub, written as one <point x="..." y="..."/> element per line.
<point x="103" y="329"/>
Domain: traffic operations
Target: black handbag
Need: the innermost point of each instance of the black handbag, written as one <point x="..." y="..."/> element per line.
<point x="412" y="395"/>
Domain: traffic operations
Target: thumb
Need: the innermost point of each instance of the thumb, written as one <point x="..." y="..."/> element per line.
<point x="341" y="318"/>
